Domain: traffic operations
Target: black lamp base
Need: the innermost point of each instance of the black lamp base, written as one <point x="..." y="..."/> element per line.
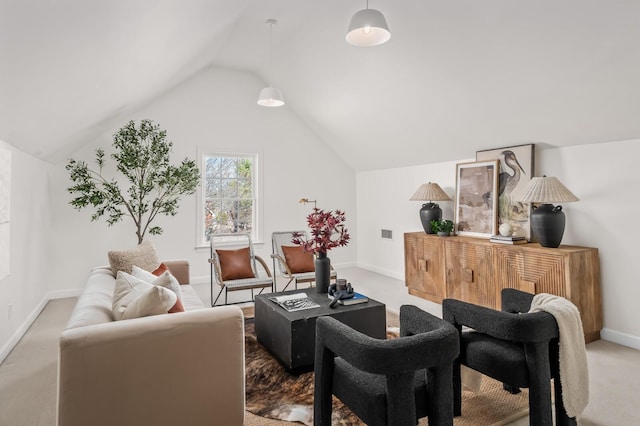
<point x="429" y="212"/>
<point x="547" y="224"/>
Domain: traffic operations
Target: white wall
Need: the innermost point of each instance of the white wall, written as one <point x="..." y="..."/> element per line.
<point x="23" y="292"/>
<point x="605" y="178"/>
<point x="214" y="110"/>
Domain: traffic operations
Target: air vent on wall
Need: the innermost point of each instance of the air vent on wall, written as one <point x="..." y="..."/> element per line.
<point x="387" y="233"/>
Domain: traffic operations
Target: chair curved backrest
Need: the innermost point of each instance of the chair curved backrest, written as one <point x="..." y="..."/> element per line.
<point x="387" y="382"/>
<point x="279" y="239"/>
<point x="283" y="239"/>
<point x="513" y="346"/>
<point x="252" y="280"/>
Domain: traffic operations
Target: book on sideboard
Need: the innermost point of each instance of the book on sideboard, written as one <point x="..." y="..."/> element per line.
<point x="507" y="237"/>
<point x="509" y="241"/>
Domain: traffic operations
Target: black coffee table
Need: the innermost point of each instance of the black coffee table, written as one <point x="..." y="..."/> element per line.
<point x="290" y="336"/>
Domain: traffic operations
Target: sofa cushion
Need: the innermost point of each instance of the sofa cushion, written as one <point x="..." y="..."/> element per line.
<point x="298" y="260"/>
<point x="235" y="264"/>
<point x="144" y="256"/>
<point x="164" y="279"/>
<point x="128" y="288"/>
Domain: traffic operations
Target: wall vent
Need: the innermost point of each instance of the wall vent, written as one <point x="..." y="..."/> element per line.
<point x="387" y="233"/>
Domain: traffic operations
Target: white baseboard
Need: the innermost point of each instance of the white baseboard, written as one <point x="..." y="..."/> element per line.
<point x="382" y="271"/>
<point x="63" y="294"/>
<point x="15" y="338"/>
<point x="620" y="338"/>
<point x="19" y="333"/>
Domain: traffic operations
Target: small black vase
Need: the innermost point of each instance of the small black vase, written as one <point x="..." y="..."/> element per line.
<point x="323" y="272"/>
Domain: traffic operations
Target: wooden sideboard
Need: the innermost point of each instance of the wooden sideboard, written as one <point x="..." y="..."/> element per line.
<point x="476" y="270"/>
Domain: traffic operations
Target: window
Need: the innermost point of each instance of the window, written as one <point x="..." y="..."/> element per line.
<point x="229" y="195"/>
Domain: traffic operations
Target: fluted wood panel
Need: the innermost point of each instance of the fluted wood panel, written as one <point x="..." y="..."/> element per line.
<point x="521" y="269"/>
<point x="476" y="270"/>
<point x="470" y="272"/>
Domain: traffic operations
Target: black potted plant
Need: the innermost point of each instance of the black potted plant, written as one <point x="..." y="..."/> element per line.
<point x="442" y="227"/>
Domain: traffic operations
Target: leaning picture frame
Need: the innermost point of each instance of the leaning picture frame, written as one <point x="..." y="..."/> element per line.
<point x="516" y="168"/>
<point x="476" y="198"/>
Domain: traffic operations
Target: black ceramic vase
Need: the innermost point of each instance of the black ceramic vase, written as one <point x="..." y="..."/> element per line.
<point x="547" y="224"/>
<point x="429" y="212"/>
<point x="323" y="272"/>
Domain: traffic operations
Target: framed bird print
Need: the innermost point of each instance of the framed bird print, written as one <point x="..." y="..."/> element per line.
<point x="516" y="168"/>
<point x="476" y="201"/>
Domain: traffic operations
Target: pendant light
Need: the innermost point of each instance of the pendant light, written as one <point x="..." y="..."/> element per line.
<point x="368" y="27"/>
<point x="270" y="96"/>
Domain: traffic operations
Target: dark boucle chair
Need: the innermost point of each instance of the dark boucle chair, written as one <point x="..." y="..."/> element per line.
<point x="387" y="382"/>
<point x="517" y="348"/>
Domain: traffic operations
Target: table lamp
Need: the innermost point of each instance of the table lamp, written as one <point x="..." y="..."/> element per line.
<point x="547" y="220"/>
<point x="430" y="211"/>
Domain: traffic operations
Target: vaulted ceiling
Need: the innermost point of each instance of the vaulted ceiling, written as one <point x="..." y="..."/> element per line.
<point x="456" y="76"/>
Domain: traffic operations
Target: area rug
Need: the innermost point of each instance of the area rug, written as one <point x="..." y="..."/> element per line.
<point x="275" y="394"/>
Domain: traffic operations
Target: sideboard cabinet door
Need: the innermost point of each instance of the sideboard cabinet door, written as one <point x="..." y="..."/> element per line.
<point x="568" y="271"/>
<point x="425" y="270"/>
<point x="470" y="272"/>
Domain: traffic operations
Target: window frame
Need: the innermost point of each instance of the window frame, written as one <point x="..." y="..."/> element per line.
<point x="256" y="231"/>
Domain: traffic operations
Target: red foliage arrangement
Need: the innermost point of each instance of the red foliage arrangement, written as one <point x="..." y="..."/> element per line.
<point x="327" y="231"/>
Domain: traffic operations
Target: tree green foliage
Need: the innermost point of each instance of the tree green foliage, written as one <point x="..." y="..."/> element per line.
<point x="154" y="185"/>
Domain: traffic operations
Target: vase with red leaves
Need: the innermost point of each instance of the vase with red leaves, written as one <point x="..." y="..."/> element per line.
<point x="327" y="232"/>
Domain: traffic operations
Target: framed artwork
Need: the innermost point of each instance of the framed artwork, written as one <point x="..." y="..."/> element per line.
<point x="516" y="165"/>
<point x="476" y="198"/>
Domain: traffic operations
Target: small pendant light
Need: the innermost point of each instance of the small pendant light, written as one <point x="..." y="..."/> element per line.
<point x="270" y="96"/>
<point x="368" y="27"/>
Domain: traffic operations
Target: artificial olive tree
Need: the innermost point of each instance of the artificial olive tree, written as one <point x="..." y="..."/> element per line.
<point x="154" y="185"/>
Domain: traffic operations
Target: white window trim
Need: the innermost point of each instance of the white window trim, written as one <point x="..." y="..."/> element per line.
<point x="256" y="234"/>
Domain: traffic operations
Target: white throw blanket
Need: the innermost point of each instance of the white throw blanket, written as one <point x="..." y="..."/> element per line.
<point x="574" y="372"/>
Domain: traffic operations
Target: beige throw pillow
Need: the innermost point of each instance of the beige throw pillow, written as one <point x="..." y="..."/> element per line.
<point x="144" y="256"/>
<point x="154" y="299"/>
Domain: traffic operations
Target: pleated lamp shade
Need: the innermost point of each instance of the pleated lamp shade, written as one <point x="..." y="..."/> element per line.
<point x="430" y="192"/>
<point x="546" y="190"/>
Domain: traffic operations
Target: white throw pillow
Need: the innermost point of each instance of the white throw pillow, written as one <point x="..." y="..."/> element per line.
<point x="155" y="301"/>
<point x="165" y="280"/>
<point x="129" y="288"/>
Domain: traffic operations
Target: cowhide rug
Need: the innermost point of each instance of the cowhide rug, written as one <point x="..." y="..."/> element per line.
<point x="276" y="394"/>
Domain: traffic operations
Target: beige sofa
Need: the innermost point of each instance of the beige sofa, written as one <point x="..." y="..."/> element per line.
<point x="183" y="368"/>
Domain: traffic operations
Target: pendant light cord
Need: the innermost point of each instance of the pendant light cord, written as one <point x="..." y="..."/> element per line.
<point x="270" y="21"/>
<point x="271" y="49"/>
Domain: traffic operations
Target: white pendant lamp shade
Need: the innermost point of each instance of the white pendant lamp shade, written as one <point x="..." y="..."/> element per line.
<point x="270" y="97"/>
<point x="368" y="27"/>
